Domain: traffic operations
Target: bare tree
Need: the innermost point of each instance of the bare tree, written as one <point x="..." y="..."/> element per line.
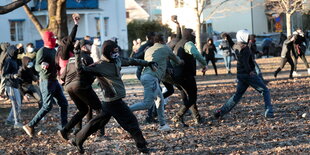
<point x="288" y="7"/>
<point x="12" y="6"/>
<point x="200" y="6"/>
<point x="57" y="18"/>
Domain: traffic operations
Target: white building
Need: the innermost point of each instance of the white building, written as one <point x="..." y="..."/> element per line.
<point x="134" y="11"/>
<point x="231" y="16"/>
<point x="99" y="18"/>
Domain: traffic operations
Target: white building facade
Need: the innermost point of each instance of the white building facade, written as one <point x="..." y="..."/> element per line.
<point x="231" y="16"/>
<point x="104" y="19"/>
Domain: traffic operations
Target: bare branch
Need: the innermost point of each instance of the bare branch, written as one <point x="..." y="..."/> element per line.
<point x="215" y="9"/>
<point x="12" y="6"/>
<point x="34" y="19"/>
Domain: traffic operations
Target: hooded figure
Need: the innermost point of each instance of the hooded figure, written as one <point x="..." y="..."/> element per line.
<point x="246" y="77"/>
<point x="185" y="75"/>
<point x="12" y="81"/>
<point x="108" y="74"/>
<point x="49" y="39"/>
<point x="10" y="68"/>
<point x="28" y="75"/>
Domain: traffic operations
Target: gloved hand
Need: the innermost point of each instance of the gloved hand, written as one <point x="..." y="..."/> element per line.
<point x="153" y="66"/>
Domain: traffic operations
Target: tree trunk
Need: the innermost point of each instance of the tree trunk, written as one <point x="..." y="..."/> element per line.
<point x="198" y="35"/>
<point x="61" y="18"/>
<point x="12" y="6"/>
<point x="34" y="20"/>
<point x="288" y="24"/>
<point x="52" y="23"/>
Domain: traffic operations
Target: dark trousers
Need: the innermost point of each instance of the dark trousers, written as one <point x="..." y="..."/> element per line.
<point x="123" y="115"/>
<point x="212" y="59"/>
<point x="283" y="62"/>
<point x="32" y="90"/>
<point x="303" y="58"/>
<point x="266" y="50"/>
<point x="85" y="100"/>
<point x="188" y="88"/>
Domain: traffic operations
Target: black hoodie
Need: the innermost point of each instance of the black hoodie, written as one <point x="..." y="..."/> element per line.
<point x="245" y="63"/>
<point x="26" y="74"/>
<point x="11" y="67"/>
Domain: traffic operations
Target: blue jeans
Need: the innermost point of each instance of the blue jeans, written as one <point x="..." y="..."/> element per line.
<point x="244" y="81"/>
<point x="15" y="97"/>
<point x="227" y="61"/>
<point x="51" y="91"/>
<point x="152" y="95"/>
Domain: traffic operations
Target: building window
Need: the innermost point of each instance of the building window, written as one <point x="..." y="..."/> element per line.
<point x="208" y="2"/>
<point x="16" y="30"/>
<point x="179" y="3"/>
<point x="127" y="14"/>
<point x="106" y="25"/>
<point x="98" y="26"/>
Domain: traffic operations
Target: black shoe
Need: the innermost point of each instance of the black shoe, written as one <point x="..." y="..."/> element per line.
<point x="199" y="121"/>
<point x="143" y="149"/>
<point x="78" y="146"/>
<point x="150" y="120"/>
<point x="63" y="135"/>
<point x="179" y="122"/>
<point x="275" y="74"/>
<point x="217" y="114"/>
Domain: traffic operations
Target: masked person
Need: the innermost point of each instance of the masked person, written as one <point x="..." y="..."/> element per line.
<point x="49" y="86"/>
<point x="30" y="51"/>
<point x="108" y="74"/>
<point x="28" y="75"/>
<point x="79" y="87"/>
<point x="246" y="77"/>
<point x="11" y="80"/>
<point x="287" y="50"/>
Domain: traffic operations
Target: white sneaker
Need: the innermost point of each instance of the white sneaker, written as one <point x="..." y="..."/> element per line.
<point x="164" y="128"/>
<point x="296" y="74"/>
<point x="308" y="70"/>
<point x="18" y="125"/>
<point x="165" y="101"/>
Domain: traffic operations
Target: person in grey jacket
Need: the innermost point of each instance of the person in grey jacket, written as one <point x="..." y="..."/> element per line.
<point x="226" y="46"/>
<point x="286" y="55"/>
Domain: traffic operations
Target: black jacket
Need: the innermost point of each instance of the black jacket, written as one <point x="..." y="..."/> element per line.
<point x="72" y="76"/>
<point x="11" y="67"/>
<point x="66" y="46"/>
<point x="209" y="50"/>
<point x="245" y="62"/>
<point x="27" y="75"/>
